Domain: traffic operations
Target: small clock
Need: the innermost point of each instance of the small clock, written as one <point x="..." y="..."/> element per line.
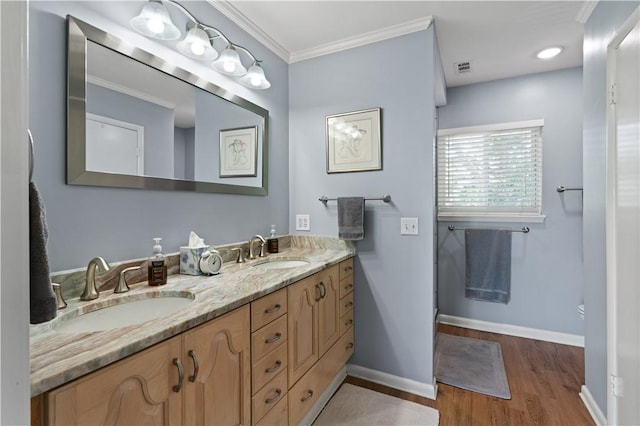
<point x="211" y="262"/>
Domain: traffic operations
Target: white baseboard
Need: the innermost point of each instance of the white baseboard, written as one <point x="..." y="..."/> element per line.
<point x="315" y="411"/>
<point x="428" y="390"/>
<point x="595" y="411"/>
<point x="513" y="330"/>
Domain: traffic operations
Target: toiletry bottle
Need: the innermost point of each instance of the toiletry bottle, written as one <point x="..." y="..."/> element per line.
<point x="157" y="265"/>
<point x="272" y="242"/>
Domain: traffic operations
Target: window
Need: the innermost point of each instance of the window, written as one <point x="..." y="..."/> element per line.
<point x="491" y="173"/>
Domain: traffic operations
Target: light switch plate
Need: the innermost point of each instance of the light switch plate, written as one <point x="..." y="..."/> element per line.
<point x="303" y="222"/>
<point x="409" y="226"/>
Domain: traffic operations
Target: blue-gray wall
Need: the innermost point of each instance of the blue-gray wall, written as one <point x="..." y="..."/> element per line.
<point x="602" y="26"/>
<point x="393" y="273"/>
<point x="547" y="269"/>
<point x="116" y="223"/>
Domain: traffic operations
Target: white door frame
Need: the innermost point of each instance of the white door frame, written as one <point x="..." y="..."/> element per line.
<point x="125" y="125"/>
<point x="612" y="287"/>
<point x="14" y="208"/>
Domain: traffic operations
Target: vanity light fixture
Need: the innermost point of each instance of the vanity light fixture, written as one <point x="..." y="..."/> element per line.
<point x="549" y="52"/>
<point x="154" y="21"/>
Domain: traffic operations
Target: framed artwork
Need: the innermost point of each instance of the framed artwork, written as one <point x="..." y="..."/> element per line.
<point x="354" y="141"/>
<point x="238" y="152"/>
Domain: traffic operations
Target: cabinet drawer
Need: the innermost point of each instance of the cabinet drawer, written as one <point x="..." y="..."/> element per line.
<point x="337" y="356"/>
<point x="268" y="308"/>
<point x="346" y="304"/>
<point x="346" y="286"/>
<point x="346" y="321"/>
<point x="269" y="367"/>
<point x="346" y="268"/>
<point x="269" y="396"/>
<point x="304" y="394"/>
<point x="268" y="338"/>
<point x="278" y="416"/>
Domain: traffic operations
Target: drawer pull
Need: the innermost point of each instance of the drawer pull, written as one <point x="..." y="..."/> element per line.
<point x="348" y="304"/>
<point x="348" y="322"/>
<point x="348" y="268"/>
<point x="323" y="290"/>
<point x="196" y="366"/>
<point x="274" y="398"/>
<point x="273" y="309"/>
<point x="178" y="364"/>
<point x="348" y="286"/>
<point x="320" y="291"/>
<point x="307" y="396"/>
<point x="349" y="346"/>
<point x="274" y="339"/>
<point x="274" y="368"/>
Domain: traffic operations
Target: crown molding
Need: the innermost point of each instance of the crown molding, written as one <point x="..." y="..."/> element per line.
<point x="238" y="18"/>
<point x="586" y="10"/>
<point x="363" y="39"/>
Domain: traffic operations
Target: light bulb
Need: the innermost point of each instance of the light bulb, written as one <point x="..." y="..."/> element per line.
<point x="229" y="66"/>
<point x="155" y="25"/>
<point x="197" y="48"/>
<point x="256" y="81"/>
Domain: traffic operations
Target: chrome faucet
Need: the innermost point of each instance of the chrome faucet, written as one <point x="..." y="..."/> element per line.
<point x="261" y="242"/>
<point x="90" y="292"/>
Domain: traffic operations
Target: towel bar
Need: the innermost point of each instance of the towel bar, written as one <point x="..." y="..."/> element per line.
<point x="524" y="229"/>
<point x="562" y="189"/>
<point x="385" y="198"/>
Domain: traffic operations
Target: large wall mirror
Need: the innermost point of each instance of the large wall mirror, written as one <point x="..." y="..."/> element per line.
<point x="136" y="121"/>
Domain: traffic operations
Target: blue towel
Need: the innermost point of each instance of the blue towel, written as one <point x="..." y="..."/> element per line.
<point x="488" y="265"/>
<point x="351" y="218"/>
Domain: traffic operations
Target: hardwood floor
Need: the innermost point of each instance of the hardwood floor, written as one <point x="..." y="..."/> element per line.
<point x="544" y="379"/>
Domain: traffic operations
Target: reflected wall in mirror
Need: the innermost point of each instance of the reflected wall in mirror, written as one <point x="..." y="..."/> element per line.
<point x="136" y="121"/>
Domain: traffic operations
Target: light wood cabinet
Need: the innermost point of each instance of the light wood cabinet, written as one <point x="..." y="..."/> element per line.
<point x="203" y="373"/>
<point x="269" y="358"/>
<point x="217" y="386"/>
<point x="140" y="389"/>
<point x="320" y="334"/>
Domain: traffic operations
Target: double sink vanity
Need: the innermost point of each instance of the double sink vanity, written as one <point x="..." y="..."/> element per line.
<point x="262" y="343"/>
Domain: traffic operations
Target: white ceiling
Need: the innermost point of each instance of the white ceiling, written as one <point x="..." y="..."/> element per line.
<point x="500" y="38"/>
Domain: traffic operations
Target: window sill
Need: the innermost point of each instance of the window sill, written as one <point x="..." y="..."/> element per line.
<point x="523" y="218"/>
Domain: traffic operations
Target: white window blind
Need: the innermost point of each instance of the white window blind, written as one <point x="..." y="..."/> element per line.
<point x="491" y="172"/>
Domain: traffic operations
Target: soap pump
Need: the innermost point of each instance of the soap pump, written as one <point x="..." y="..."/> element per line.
<point x="157" y="265"/>
<point x="272" y="242"/>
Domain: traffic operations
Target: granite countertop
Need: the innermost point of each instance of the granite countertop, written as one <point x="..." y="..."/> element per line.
<point x="58" y="357"/>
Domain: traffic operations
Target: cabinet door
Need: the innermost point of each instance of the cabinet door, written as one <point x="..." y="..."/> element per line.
<point x="138" y="390"/>
<point x="328" y="308"/>
<point x="220" y="392"/>
<point x="302" y="326"/>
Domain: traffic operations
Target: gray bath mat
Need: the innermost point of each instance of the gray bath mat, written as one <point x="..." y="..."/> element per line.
<point x="471" y="364"/>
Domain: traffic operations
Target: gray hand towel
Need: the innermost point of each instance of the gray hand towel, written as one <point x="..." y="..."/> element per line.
<point x="351" y="218"/>
<point x="488" y="265"/>
<point x="42" y="300"/>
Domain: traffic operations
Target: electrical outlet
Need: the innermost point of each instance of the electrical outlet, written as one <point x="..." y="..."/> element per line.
<point x="409" y="226"/>
<point x="303" y="222"/>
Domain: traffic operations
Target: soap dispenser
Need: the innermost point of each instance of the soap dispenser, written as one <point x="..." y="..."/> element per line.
<point x="272" y="242"/>
<point x="157" y="265"/>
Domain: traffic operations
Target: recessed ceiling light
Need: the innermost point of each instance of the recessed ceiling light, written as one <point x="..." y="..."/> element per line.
<point x="549" y="52"/>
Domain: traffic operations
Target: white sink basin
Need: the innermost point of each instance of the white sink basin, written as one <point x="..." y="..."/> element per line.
<point x="127" y="312"/>
<point x="281" y="264"/>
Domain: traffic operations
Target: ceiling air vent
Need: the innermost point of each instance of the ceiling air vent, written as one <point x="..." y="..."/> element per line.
<point x="462" y="67"/>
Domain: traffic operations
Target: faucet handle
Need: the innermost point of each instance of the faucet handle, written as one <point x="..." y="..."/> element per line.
<point x="262" y="244"/>
<point x="123" y="287"/>
<point x="57" y="290"/>
<point x="240" y="254"/>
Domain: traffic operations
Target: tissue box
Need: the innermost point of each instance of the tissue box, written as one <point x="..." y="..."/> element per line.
<point x="190" y="260"/>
